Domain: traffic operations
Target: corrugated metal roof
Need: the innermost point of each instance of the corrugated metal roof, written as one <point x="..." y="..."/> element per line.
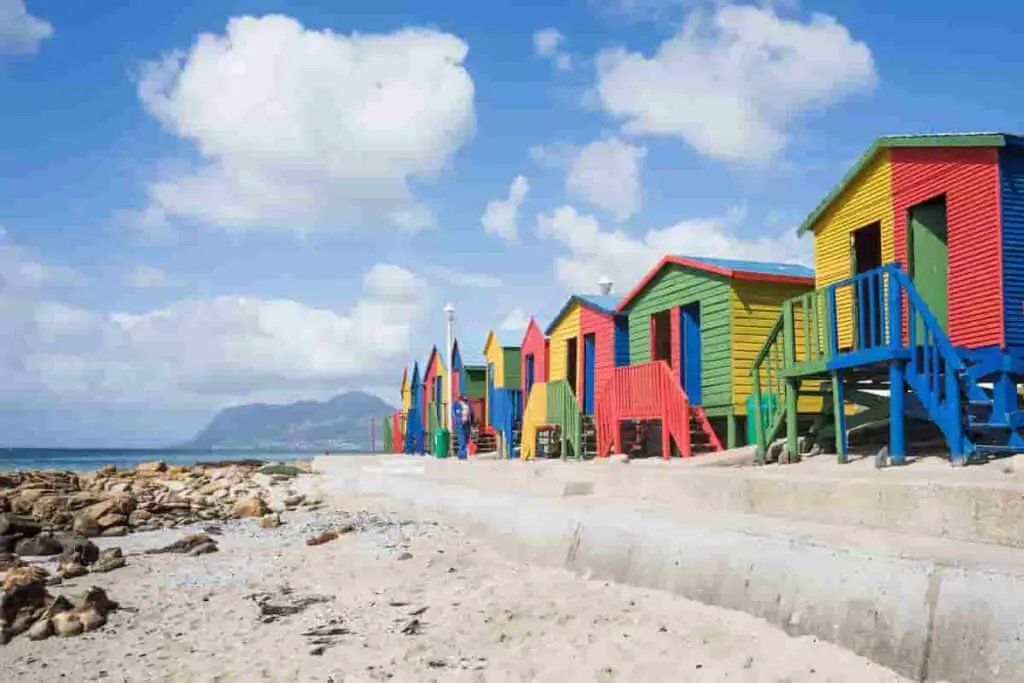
<point x="606" y="304"/>
<point x="756" y="267"/>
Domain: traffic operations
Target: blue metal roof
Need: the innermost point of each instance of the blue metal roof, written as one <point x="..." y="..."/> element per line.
<point x="605" y="304"/>
<point x="760" y="267"/>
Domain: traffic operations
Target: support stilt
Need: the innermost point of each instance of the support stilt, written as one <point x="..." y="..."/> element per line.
<point x="897" y="417"/>
<point x="839" y="410"/>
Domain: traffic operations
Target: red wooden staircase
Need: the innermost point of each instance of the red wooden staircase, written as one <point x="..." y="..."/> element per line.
<point x="650" y="391"/>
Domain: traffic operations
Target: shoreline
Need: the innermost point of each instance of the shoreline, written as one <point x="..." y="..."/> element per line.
<point x="406" y="599"/>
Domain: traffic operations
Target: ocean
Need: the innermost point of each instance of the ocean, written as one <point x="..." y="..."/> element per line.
<point x="81" y="460"/>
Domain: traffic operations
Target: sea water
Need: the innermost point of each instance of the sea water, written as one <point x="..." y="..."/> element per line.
<point x="81" y="460"/>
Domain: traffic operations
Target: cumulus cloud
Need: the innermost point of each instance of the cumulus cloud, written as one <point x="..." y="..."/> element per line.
<point x="732" y="80"/>
<point x="300" y="129"/>
<point x="547" y="43"/>
<point x="145" y="276"/>
<point x="501" y="216"/>
<point x="205" y="353"/>
<point x="516" y="321"/>
<point x="19" y="270"/>
<point x="625" y="258"/>
<point x="464" y="279"/>
<point x="20" y="32"/>
<point x="606" y="173"/>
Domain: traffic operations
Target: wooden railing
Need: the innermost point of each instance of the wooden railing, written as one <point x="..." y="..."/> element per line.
<point x="648" y="391"/>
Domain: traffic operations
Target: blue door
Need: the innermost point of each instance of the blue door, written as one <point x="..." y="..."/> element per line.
<point x="588" y="374"/>
<point x="529" y="375"/>
<point x="690" y="351"/>
<point x="438" y="397"/>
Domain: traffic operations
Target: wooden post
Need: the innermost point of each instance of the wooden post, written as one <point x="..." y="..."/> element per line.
<point x="792" y="385"/>
<point x="373" y="435"/>
<point x="839" y="409"/>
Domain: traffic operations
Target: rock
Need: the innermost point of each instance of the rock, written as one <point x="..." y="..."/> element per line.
<point x="107" y="470"/>
<point x="71" y="569"/>
<point x="82" y="499"/>
<point x="271" y="521"/>
<point x="26" y="498"/>
<point x="295" y="500"/>
<point x="96" y="598"/>
<point x="249" y="507"/>
<point x="203" y="549"/>
<point x="9" y="560"/>
<point x="109" y="560"/>
<point x="41" y="630"/>
<point x="115" y="531"/>
<point x="67" y="624"/>
<point x="184" y="545"/>
<point x="78" y="549"/>
<point x="139" y="517"/>
<point x="85" y="525"/>
<point x="8" y="541"/>
<point x="49" y="507"/>
<point x="321" y="538"/>
<point x="29" y="598"/>
<point x="25" y="576"/>
<point x="11" y="524"/>
<point x="153" y="467"/>
<point x="42" y="545"/>
<point x="117" y="503"/>
<point x="120" y="487"/>
<point x="403" y="557"/>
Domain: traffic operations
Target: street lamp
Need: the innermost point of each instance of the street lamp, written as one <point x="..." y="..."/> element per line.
<point x="449" y="316"/>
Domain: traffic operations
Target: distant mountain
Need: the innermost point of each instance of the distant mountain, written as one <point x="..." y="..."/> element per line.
<point x="343" y="423"/>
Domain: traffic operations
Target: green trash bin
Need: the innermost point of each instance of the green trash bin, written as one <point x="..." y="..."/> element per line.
<point x="441" y="440"/>
<point x="769" y="402"/>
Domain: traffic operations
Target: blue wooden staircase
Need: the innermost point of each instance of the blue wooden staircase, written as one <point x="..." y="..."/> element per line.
<point x="873" y="333"/>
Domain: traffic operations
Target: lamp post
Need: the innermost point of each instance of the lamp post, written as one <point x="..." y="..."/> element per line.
<point x="449" y="316"/>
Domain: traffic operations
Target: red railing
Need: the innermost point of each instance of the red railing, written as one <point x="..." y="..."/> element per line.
<point x="397" y="433"/>
<point x="647" y="391"/>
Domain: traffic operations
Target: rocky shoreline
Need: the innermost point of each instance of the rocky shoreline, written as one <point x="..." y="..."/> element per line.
<point x="48" y="514"/>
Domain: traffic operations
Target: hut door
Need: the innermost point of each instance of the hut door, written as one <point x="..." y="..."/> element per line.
<point x="589" y="342"/>
<point x="488" y="407"/>
<point x="868" y="310"/>
<point x="929" y="257"/>
<point x="571" y="360"/>
<point x="661" y="336"/>
<point x="690" y="351"/>
<point x="529" y="376"/>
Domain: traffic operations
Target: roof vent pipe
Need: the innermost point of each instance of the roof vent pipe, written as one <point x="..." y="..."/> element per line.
<point x="605" y="286"/>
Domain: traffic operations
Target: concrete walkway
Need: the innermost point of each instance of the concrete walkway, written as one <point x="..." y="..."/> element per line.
<point x="885" y="563"/>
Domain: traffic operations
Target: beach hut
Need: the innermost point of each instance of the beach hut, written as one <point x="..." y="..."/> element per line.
<point x="434" y="395"/>
<point x="469" y="378"/>
<point x="534" y="374"/>
<point x="587" y="341"/>
<point x="414" y="431"/>
<point x="695" y="326"/>
<point x="920" y="288"/>
<point x="503" y="407"/>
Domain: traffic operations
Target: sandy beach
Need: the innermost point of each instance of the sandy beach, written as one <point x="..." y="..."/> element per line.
<point x="399" y="600"/>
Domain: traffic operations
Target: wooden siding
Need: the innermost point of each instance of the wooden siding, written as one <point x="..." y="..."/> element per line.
<point x="435" y="370"/>
<point x="1011" y="204"/>
<point x="866" y="200"/>
<point x="493" y="354"/>
<point x="677" y="286"/>
<point x="533" y="343"/>
<point x="534" y="416"/>
<point x="755" y="307"/>
<point x="511" y="360"/>
<point x="567" y="328"/>
<point x="473" y="382"/>
<point x="969" y="177"/>
<point x="602" y="326"/>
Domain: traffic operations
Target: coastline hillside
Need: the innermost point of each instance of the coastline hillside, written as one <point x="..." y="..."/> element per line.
<point x="340" y="424"/>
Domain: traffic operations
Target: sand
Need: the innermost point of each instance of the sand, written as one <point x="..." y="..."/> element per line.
<point x="411" y="601"/>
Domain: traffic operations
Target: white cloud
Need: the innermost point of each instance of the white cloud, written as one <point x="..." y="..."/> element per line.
<point x="557" y="155"/>
<point x="146" y="277"/>
<point x="197" y="352"/>
<point x="502" y="215"/>
<point x="20" y="32"/>
<point x="19" y="271"/>
<point x="151" y="224"/>
<point x="593" y="252"/>
<point x="301" y="129"/>
<point x="606" y="173"/>
<point x="516" y="321"/>
<point x="464" y="279"/>
<point x="731" y="81"/>
<point x="546" y="43"/>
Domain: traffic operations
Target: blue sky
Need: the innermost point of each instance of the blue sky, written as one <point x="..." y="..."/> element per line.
<point x="280" y="210"/>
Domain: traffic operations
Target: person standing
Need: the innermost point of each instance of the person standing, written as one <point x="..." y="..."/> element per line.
<point x="464" y="421"/>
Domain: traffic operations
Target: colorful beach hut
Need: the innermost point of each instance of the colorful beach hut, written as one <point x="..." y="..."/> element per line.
<point x="434" y="395"/>
<point x="587" y="341"/>
<point x="920" y="297"/>
<point x="469" y="378"/>
<point x="695" y="326"/>
<point x="534" y="371"/>
<point x="414" y="429"/>
<point x="503" y="408"/>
